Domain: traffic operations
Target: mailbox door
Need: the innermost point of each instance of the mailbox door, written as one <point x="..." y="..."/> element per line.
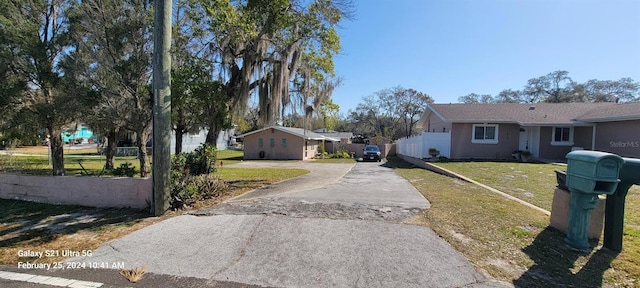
<point x="608" y="168"/>
<point x="584" y="168"/>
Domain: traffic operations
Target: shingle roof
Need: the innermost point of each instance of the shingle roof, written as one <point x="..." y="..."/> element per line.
<point x="337" y="134"/>
<point x="523" y="114"/>
<point x="623" y="111"/>
<point x="305" y="134"/>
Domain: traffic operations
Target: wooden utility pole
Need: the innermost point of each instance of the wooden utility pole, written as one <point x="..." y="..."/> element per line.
<point x="161" y="107"/>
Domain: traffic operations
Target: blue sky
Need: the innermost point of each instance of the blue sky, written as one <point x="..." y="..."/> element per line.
<point x="450" y="48"/>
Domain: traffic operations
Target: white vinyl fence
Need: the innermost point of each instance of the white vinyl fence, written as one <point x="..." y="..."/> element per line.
<point x="417" y="146"/>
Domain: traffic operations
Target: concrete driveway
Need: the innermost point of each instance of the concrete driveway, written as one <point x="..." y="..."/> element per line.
<point x="338" y="226"/>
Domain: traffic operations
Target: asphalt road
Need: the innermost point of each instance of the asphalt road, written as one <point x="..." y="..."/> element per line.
<point x="339" y="226"/>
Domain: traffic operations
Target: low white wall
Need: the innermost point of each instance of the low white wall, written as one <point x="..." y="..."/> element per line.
<point x="117" y="192"/>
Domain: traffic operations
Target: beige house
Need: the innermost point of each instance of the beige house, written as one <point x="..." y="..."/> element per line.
<point x="547" y="130"/>
<point x="282" y="143"/>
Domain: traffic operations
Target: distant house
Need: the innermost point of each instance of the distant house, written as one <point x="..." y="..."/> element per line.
<point x="79" y="134"/>
<point x="191" y="141"/>
<point x="282" y="143"/>
<point x="341" y="139"/>
<point x="547" y="130"/>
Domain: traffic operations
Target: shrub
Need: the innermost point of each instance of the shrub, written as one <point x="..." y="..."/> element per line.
<point x="125" y="169"/>
<point x="341" y="154"/>
<point x="183" y="191"/>
<point x="191" y="178"/>
<point x="186" y="190"/>
<point x="201" y="161"/>
<point x="210" y="186"/>
<point x="321" y="150"/>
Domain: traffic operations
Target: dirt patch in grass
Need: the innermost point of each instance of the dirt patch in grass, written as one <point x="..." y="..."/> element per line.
<point x="512" y="242"/>
<point x="58" y="228"/>
<point x="43" y="150"/>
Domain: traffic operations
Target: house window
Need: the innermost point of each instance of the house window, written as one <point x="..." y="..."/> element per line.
<point x="260" y="142"/>
<point x="485" y="134"/>
<point x="272" y="142"/>
<point x="562" y="136"/>
<point x="284" y="142"/>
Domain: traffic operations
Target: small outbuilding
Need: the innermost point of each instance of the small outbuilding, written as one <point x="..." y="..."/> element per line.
<point x="282" y="143"/>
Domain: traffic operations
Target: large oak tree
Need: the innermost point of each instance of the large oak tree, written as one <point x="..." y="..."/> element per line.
<point x="273" y="48"/>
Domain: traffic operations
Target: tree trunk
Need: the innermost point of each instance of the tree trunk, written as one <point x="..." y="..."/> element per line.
<point x="411" y="124"/>
<point x="179" y="133"/>
<point x="212" y="134"/>
<point x="57" y="150"/>
<point x="142" y="152"/>
<point x="408" y="126"/>
<point x="180" y="130"/>
<point x="110" y="152"/>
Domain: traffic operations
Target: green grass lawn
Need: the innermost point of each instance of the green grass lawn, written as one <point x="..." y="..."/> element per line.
<point x="531" y="182"/>
<point x="37" y="162"/>
<point x="39" y="165"/>
<point x="229" y="157"/>
<point x="242" y="180"/>
<point x="512" y="242"/>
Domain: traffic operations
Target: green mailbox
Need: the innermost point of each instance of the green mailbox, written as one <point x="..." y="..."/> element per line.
<point x="614" y="213"/>
<point x="589" y="173"/>
<point x="593" y="171"/>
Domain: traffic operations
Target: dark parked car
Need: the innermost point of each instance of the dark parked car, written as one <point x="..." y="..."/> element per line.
<point x="372" y="153"/>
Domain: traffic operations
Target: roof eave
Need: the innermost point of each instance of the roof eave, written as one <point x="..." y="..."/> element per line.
<point x="612" y="119"/>
<point x="469" y="121"/>
<point x="430" y="107"/>
<point x="252" y="132"/>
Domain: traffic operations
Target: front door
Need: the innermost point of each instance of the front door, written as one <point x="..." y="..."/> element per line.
<point x="529" y="140"/>
<point x="524" y="139"/>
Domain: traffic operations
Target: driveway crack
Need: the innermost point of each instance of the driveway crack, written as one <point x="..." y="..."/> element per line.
<point x="242" y="250"/>
<point x="114" y="248"/>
